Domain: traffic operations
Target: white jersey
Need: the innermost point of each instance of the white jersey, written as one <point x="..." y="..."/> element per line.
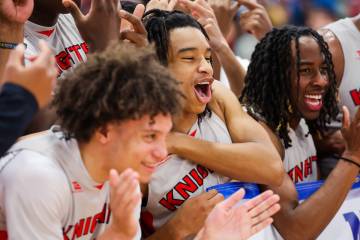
<point x="47" y="193"/>
<point x="349" y="37"/>
<point x="63" y="38"/>
<point x="178" y="179"/>
<point x="300" y="158"/>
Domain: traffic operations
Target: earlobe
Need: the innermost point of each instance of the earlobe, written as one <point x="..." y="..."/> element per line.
<point x="102" y="134"/>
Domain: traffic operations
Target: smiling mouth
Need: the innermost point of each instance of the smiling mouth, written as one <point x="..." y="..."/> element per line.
<point x="314" y="101"/>
<point x="203" y="92"/>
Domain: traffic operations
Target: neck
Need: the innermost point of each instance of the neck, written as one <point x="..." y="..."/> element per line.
<point x="94" y="161"/>
<point x="356" y="21"/>
<point x="47" y="20"/>
<point x="294" y="122"/>
<point x="184" y="122"/>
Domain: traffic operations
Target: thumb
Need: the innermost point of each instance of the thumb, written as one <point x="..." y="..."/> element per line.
<point x="139" y="11"/>
<point x="73" y="9"/>
<point x="346" y="117"/>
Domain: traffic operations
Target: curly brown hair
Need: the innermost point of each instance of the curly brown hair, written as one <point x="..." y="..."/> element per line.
<point x="121" y="83"/>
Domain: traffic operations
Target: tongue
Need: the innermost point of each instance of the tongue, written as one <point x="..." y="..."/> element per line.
<point x="203" y="94"/>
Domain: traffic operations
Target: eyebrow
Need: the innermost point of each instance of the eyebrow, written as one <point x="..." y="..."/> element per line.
<point x="191" y="49"/>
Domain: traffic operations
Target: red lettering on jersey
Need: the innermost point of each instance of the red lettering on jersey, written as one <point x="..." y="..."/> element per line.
<point x="355" y="95"/>
<point x="66" y="231"/>
<point x="169" y="202"/>
<point x="87" y="225"/>
<point x="63" y="60"/>
<point x="78" y="229"/>
<point x="299" y="172"/>
<point x="303" y="170"/>
<point x="98" y="218"/>
<point x="195" y="175"/>
<point x="76" y="187"/>
<point x="84" y="47"/>
<point x="188" y="186"/>
<point x="203" y="171"/>
<point x="75" y="49"/>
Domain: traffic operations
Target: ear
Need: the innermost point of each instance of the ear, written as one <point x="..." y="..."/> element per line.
<point x="102" y="134"/>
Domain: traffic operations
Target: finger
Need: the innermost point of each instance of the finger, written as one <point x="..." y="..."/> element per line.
<point x="45" y="54"/>
<point x="125" y="195"/>
<point x="172" y="5"/>
<point x="264" y="206"/>
<point x="135" y="21"/>
<point x="357" y="115"/>
<point x="208" y="195"/>
<point x="139" y="11"/>
<point x="250" y="4"/>
<point x="74" y="9"/>
<point x="126" y="187"/>
<point x="216" y="199"/>
<point x="234" y="8"/>
<point x="266" y="214"/>
<point x="233" y="199"/>
<point x="260" y="226"/>
<point x="193" y="6"/>
<point x="346" y="117"/>
<point x="257" y="200"/>
<point x="115" y="179"/>
<point x="133" y="37"/>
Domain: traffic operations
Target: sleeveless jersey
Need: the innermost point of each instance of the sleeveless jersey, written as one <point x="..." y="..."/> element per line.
<point x="62" y="202"/>
<point x="300" y="158"/>
<point x="63" y="38"/>
<point x="349" y="37"/>
<point x="178" y="179"/>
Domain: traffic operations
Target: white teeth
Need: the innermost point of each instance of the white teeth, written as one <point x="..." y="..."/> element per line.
<point x="203" y="83"/>
<point x="311" y="96"/>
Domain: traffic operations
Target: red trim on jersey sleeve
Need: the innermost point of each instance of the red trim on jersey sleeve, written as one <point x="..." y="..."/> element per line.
<point x="47" y="32"/>
<point x="193" y="133"/>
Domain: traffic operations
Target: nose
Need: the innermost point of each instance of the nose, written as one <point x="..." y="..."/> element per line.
<point x="321" y="80"/>
<point x="205" y="67"/>
<point x="160" y="152"/>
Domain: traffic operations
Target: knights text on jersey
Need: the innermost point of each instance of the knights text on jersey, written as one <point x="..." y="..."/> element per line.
<point x="349" y="37"/>
<point x="64" y="38"/>
<point x="177" y="179"/>
<point x="47" y="193"/>
<point x="300" y="159"/>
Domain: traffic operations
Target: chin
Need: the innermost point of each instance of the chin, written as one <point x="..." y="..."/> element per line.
<point x="311" y="116"/>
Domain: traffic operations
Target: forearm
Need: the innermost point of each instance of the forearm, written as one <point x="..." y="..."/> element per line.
<point x="322" y="205"/>
<point x="110" y="234"/>
<point x="12" y="34"/>
<point x="239" y="161"/>
<point x="235" y="72"/>
<point x="167" y="231"/>
<point x="17" y="108"/>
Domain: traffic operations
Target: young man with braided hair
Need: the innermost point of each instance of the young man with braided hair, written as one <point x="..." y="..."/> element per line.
<point x="290" y="87"/>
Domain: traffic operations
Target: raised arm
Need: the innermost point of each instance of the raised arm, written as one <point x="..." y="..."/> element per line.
<point x="252" y="157"/>
<point x="293" y="220"/>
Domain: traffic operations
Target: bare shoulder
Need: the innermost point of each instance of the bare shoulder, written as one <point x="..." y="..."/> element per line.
<point x="225" y="101"/>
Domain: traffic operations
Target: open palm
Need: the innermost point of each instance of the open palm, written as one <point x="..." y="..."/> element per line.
<point x="16" y="11"/>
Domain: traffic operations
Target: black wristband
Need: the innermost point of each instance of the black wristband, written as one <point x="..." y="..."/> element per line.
<point x="9" y="45"/>
<point x="348" y="160"/>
